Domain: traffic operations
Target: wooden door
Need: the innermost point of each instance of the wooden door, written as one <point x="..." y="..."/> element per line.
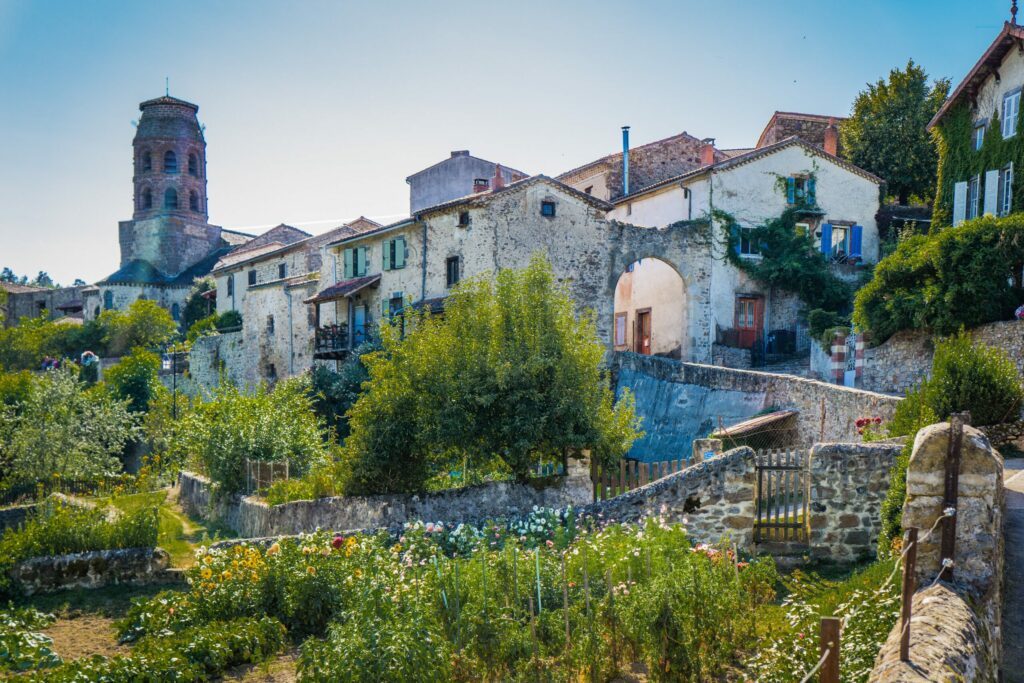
<point x="749" y="320"/>
<point x="642" y="339"/>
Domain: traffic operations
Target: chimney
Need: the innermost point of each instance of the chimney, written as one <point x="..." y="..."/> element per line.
<point x="707" y="152"/>
<point x="625" y="160"/>
<point x="499" y="179"/>
<point x="460" y="153"/>
<point x="831" y="143"/>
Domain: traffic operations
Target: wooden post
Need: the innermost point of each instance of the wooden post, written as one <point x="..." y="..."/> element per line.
<point x="829" y="642"/>
<point x="909" y="565"/>
<point x="622" y="477"/>
<point x="952" y="487"/>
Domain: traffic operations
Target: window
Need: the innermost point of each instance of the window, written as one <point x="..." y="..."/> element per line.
<point x="547" y="208"/>
<point x="147" y="198"/>
<point x="193" y="201"/>
<point x="355" y="259"/>
<point x="389" y="308"/>
<point x="193" y="165"/>
<point x="175" y="311"/>
<point x="629" y="208"/>
<point x="480" y="185"/>
<point x="282" y="271"/>
<point x="170" y="198"/>
<point x="463" y="219"/>
<point x="271" y="371"/>
<point x="1011" y="109"/>
<point x="452" y="274"/>
<point x="96" y="312"/>
<point x="800" y="190"/>
<point x="108" y="300"/>
<point x="147" y="162"/>
<point x="748" y="247"/>
<point x="270" y="324"/>
<point x="588" y="190"/>
<point x="231" y="284"/>
<point x="394" y="255"/>
<point x="252" y="278"/>
<point x="979" y="135"/>
<point x="840" y="248"/>
<point x="1004" y="203"/>
<point x="620" y="329"/>
<point x="803" y="228"/>
<point x="170" y="162"/>
<point x="973" y="188"/>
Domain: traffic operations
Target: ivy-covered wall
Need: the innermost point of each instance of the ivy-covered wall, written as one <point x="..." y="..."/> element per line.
<point x="959" y="161"/>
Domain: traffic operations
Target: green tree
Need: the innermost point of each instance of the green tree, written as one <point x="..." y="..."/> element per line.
<point x="335" y="392"/>
<point x="196" y="306"/>
<point x="63" y="429"/>
<point x="144" y="324"/>
<point x="135" y="379"/>
<point x="886" y="133"/>
<point x="508" y="373"/>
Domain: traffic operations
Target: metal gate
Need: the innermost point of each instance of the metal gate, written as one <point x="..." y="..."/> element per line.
<point x="783" y="491"/>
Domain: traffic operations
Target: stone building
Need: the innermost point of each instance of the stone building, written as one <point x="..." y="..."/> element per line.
<point x="459" y="175"/>
<point x="27" y="301"/>
<point x="818" y="130"/>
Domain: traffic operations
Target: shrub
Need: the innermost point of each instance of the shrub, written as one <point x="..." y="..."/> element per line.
<point x="229" y="320"/>
<point x="135" y="379"/>
<point x="64" y="429"/>
<point x="824" y="324"/>
<point x="202" y="327"/>
<point x="145" y="324"/>
<point x="271" y="425"/>
<point x="335" y="392"/>
<point x="21" y="647"/>
<point x="976" y="378"/>
<point x="60" y="529"/>
<point x="15" y="387"/>
<point x="196" y="306"/>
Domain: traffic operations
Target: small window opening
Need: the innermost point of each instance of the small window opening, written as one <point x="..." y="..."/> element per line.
<point x="270" y="324"/>
<point x="147" y="162"/>
<point x="193" y="201"/>
<point x="193" y="165"/>
<point x="282" y="271"/>
<point x="589" y="190"/>
<point x="481" y="185"/>
<point x="252" y="277"/>
<point x="463" y="219"/>
<point x="170" y="162"/>
<point x="170" y="198"/>
<point x="176" y="311"/>
<point x="547" y="208"/>
<point x="147" y="199"/>
<point x="452" y="271"/>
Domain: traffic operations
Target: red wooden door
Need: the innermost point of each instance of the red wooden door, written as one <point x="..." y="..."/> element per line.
<point x="643" y="332"/>
<point x="749" y="320"/>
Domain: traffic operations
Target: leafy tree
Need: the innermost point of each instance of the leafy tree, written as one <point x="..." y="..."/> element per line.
<point x="144" y="324"/>
<point x="135" y="379"/>
<point x="509" y="373"/>
<point x="7" y="275"/>
<point x="3" y="305"/>
<point x="960" y="277"/>
<point x="197" y="307"/>
<point x="79" y="282"/>
<point x="62" y="429"/>
<point x="886" y="133"/>
<point x="43" y="279"/>
<point x="15" y="387"/>
<point x="334" y="392"/>
<point x="270" y="425"/>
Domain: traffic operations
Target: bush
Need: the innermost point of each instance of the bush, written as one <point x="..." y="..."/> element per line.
<point x="21" y="647"/>
<point x="145" y="324"/>
<point x="976" y="378"/>
<point x="334" y="393"/>
<point x="229" y="320"/>
<point x="135" y="379"/>
<point x="15" y="387"/>
<point x="271" y="425"/>
<point x="59" y="529"/>
<point x="958" y="277"/>
<point x="823" y="325"/>
<point x="202" y="327"/>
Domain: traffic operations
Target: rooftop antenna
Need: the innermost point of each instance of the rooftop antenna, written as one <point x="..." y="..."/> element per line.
<point x="1013" y="12"/>
<point x="167" y="79"/>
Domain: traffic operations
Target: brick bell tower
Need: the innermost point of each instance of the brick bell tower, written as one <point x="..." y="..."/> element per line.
<point x="169" y="229"/>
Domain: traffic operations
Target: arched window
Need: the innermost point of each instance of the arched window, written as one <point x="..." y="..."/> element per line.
<point x="147" y="198"/>
<point x="193" y="201"/>
<point x="170" y="198"/>
<point x="175" y="311"/>
<point x="170" y="162"/>
<point x="147" y="162"/>
<point x="193" y="165"/>
<point x="108" y="300"/>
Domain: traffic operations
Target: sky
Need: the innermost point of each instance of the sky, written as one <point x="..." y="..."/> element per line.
<point x="316" y="112"/>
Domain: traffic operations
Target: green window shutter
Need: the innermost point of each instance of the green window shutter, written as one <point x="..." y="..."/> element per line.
<point x="791" y="190"/>
<point x="361" y="261"/>
<point x="399" y="252"/>
<point x="388" y="246"/>
<point x="385" y="309"/>
<point x="348" y="269"/>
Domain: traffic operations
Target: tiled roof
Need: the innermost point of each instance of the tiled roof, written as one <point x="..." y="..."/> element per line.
<point x="239" y="256"/>
<point x="614" y="157"/>
<point x="14" y="288"/>
<point x="375" y="231"/>
<point x="167" y="99"/>
<point x="344" y="288"/>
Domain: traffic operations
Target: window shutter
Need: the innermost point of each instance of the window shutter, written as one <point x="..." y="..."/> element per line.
<point x="826" y="239"/>
<point x="348" y="269"/>
<point x="734" y="231"/>
<point x="791" y="190"/>
<point x="991" y="191"/>
<point x="385" y="309"/>
<point x="1008" y="200"/>
<point x="363" y="253"/>
<point x="399" y="252"/>
<point x="856" y="240"/>
<point x="959" y="203"/>
<point x="388" y="246"/>
<point x="812" y="197"/>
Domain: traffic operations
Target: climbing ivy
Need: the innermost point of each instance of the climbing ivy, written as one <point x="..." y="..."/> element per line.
<point x="959" y="161"/>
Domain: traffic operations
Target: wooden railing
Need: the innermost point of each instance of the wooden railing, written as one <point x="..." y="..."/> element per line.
<point x="630" y="474"/>
<point x="331" y="338"/>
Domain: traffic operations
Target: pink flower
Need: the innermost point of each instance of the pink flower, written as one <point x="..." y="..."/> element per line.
<point x="549" y="544"/>
<point x="337" y="542"/>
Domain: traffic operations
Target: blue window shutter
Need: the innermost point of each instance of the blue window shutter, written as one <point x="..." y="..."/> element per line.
<point x="826" y="239"/>
<point x="737" y="239"/>
<point x="856" y="237"/>
<point x="386" y="251"/>
<point x="348" y="269"/>
<point x="399" y="252"/>
<point x="811" y="194"/>
<point x="791" y="190"/>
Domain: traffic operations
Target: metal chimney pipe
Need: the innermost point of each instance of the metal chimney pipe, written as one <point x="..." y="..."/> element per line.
<point x="625" y="160"/>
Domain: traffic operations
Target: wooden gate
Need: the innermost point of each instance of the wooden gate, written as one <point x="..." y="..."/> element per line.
<point x="783" y="492"/>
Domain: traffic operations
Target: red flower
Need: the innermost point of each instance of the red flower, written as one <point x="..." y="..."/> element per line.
<point x="337" y="542"/>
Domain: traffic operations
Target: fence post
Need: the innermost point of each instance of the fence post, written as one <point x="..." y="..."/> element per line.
<point x="952" y="486"/>
<point x="830" y="644"/>
<point x="909" y="566"/>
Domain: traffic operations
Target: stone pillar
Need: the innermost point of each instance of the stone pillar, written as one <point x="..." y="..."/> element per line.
<point x="862" y="339"/>
<point x="838" y="358"/>
<point x="704" y="449"/>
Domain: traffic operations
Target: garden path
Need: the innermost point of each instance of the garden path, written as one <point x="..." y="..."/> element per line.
<point x="1013" y="600"/>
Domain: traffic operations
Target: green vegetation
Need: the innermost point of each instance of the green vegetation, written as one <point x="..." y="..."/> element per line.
<point x="214" y="324"/>
<point x="135" y="379"/>
<point x="196" y="305"/>
<point x="959" y="277"/>
<point x="825" y="325"/>
<point x="58" y="529"/>
<point x="508" y="373"/>
<point x="335" y="392"/>
<point x="887" y="131"/>
<point x="21" y="647"/>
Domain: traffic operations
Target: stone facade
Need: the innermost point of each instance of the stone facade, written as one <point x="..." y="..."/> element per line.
<point x="251" y="517"/>
<point x="955" y="628"/>
<point x="24" y="301"/>
<point x="217" y="354"/>
<point x="459" y="175"/>
<point x="94" y="569"/>
<point x="808" y="127"/>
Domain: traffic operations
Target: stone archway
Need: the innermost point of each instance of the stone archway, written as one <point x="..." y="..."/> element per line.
<point x="650" y="310"/>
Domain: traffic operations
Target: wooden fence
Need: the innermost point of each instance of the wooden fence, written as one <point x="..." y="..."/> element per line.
<point x="630" y="474"/>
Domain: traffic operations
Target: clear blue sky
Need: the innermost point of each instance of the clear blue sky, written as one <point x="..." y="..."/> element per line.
<point x="317" y="111"/>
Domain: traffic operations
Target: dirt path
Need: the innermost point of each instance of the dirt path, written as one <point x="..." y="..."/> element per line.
<point x="1013" y="600"/>
<point x="84" y="636"/>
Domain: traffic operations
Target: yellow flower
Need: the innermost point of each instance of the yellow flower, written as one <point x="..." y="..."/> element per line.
<point x="255" y="577"/>
<point x="206" y="573"/>
<point x="311" y="571"/>
<point x="274" y="549"/>
<point x="225" y="574"/>
<point x="358" y="572"/>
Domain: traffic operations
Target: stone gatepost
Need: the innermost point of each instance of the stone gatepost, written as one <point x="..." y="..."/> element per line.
<point x="838" y="358"/>
<point x="704" y="449"/>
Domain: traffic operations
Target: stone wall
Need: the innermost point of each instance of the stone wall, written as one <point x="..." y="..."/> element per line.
<point x="955" y="628"/>
<point x="252" y="517"/>
<point x="213" y="354"/>
<point x="95" y="569"/>
<point x="14" y="516"/>
<point x="906" y="358"/>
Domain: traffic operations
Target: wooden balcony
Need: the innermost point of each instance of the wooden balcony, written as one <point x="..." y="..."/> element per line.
<point x="331" y="342"/>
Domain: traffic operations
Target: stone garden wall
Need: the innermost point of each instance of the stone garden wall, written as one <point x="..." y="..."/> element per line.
<point x="252" y="517"/>
<point x="955" y="628"/>
<point x="95" y="569"/>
